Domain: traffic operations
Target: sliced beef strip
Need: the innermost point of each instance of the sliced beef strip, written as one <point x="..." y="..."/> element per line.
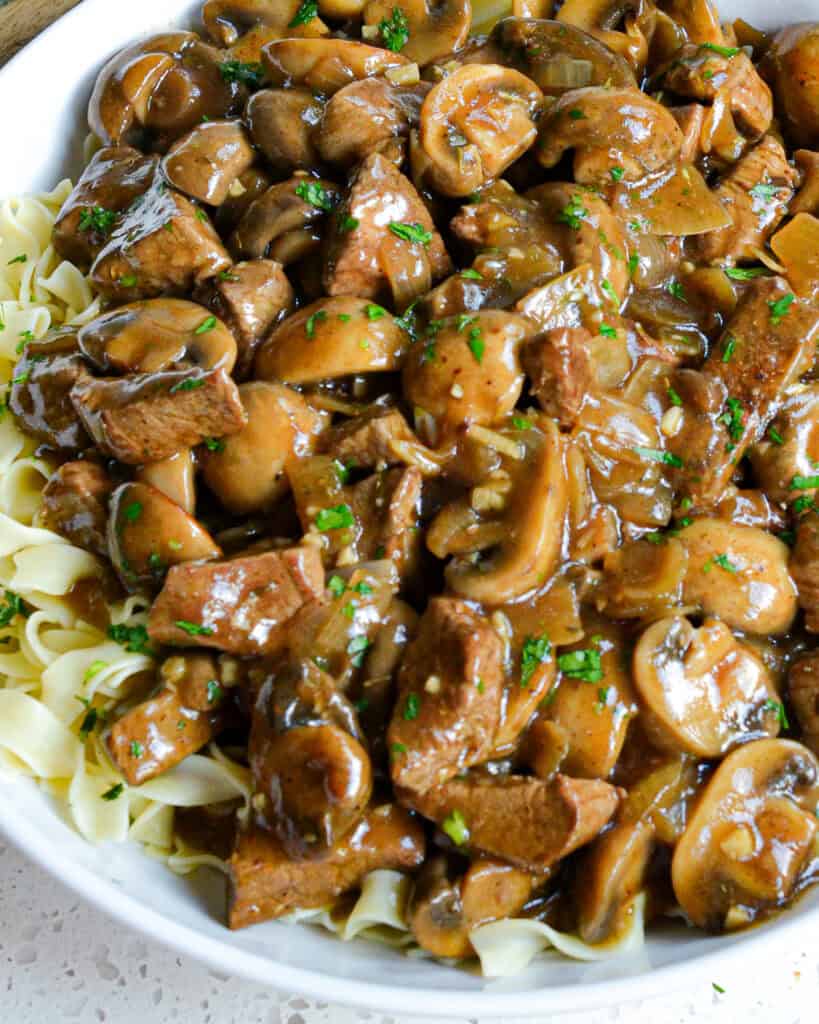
<point x="756" y="193"/>
<point x="148" y="417"/>
<point x="40" y="395"/>
<point x="450" y="687"/>
<point x="387" y="507"/>
<point x="364" y="253"/>
<point x="365" y="441"/>
<point x="768" y="344"/>
<point x="251" y="298"/>
<point x="804" y="568"/>
<point x="265" y="883"/>
<point x="529" y="822"/>
<point x="75" y="504"/>
<point x="242" y="605"/>
<point x="163" y="245"/>
<point x="114" y="178"/>
<point x="690" y="118"/>
<point x="561" y="372"/>
<point x="803" y="690"/>
<point x="157" y="734"/>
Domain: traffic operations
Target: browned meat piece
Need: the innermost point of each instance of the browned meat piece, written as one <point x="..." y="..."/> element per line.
<point x="387" y="506"/>
<point x="365" y="255"/>
<point x="148" y="417"/>
<point x="449" y="696"/>
<point x="528" y="822"/>
<point x="163" y="245"/>
<point x="205" y="163"/>
<point x="803" y="690"/>
<point x="690" y="118"/>
<point x="560" y="369"/>
<point x="804" y="568"/>
<point x="265" y="883"/>
<point x="756" y="193"/>
<point x="701" y="74"/>
<point x="199" y="678"/>
<point x="242" y="605"/>
<point x="157" y="734"/>
<point x="769" y="343"/>
<point x="287" y="221"/>
<point x="75" y="504"/>
<point x="251" y="298"/>
<point x="113" y="179"/>
<point x="40" y="396"/>
<point x="365" y="441"/>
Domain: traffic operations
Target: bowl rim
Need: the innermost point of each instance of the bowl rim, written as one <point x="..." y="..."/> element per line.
<point x="116" y="903"/>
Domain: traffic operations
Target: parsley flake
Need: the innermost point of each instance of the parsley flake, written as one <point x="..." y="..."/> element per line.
<point x="116" y="790"/>
<point x="778" y="708"/>
<point x="656" y="455"/>
<point x="536" y="650"/>
<point x="315" y="318"/>
<point x="133" y="638"/>
<point x="207" y="325"/>
<point x="189" y="384"/>
<point x="745" y="273"/>
<point x="607" y="331"/>
<point x="250" y="74"/>
<point x="584" y="664"/>
<point x="412" y="707"/>
<point x="411" y="232"/>
<point x="724" y="51"/>
<point x="193" y="628"/>
<point x="454" y="825"/>
<point x="314" y="193"/>
<point x="573" y="213"/>
<point x="337" y="518"/>
<point x="395" y="30"/>
<point x="308" y="9"/>
<point x="476" y="344"/>
<point x="780" y="308"/>
<point x="214" y="691"/>
<point x="97" y="218"/>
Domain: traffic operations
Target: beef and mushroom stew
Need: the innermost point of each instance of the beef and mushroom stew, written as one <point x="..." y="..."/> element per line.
<point x="448" y="424"/>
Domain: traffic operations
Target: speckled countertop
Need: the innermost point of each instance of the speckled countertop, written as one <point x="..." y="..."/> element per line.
<point x="63" y="961"/>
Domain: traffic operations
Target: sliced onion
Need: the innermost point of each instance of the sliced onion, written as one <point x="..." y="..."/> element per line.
<point x="564" y="72"/>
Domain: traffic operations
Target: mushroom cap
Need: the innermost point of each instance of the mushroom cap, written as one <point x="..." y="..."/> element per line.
<point x="749" y="836"/>
<point x="436" y="27"/>
<point x="325" y="64"/>
<point x="702" y="692"/>
<point x="155" y="335"/>
<point x="333" y="337"/>
<point x="475" y="123"/>
<point x="232" y="23"/>
<point x="281" y="123"/>
<point x="205" y="162"/>
<point x="791" y="65"/>
<point x="610" y="876"/>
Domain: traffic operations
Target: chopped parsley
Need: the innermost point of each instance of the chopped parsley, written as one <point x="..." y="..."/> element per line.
<point x="577" y="115"/>
<point x="745" y="273"/>
<point x="363" y="588"/>
<point x="136" y="748"/>
<point x="780" y="308"/>
<point x="315" y="318"/>
<point x="374" y="311"/>
<point x="656" y="455"/>
<point x="730" y="345"/>
<point x="717" y="988"/>
<point x="734" y="419"/>
<point x="415" y="233"/>
<point x="89" y="719"/>
<point x="397" y="748"/>
<point x="723" y="561"/>
<point x="724" y="51"/>
<point x="308" y="9"/>
<point x="608" y="331"/>
<point x="573" y="213"/>
<point x="214" y="691"/>
<point x="98" y="219"/>
<point x="584" y="664"/>
<point x="674" y="397"/>
<point x="21" y="378"/>
<point x="775" y="436"/>
<point x="602" y="699"/>
<point x="676" y="289"/>
<point x="133" y="638"/>
<point x="395" y="30"/>
<point x="476" y="344"/>
<point x="357" y="648"/>
<point x="115" y="791"/>
<point x="521" y="423"/>
<point x="342" y="471"/>
<point x="454" y="825"/>
<point x="347" y="223"/>
<point x="128" y="280"/>
<point x="536" y="650"/>
<point x="336" y="586"/>
<point x="361" y="705"/>
<point x="214" y="444"/>
<point x="804" y="483"/>
<point x="617" y="173"/>
<point x="94" y="669"/>
<point x="133" y="511"/>
<point x="412" y="707"/>
<point x="633" y="264"/>
<point x="22" y="258"/>
<point x="207" y="325"/>
<point x="764" y="193"/>
<point x="227" y="275"/>
<point x="608" y="288"/>
<point x="337" y="518"/>
<point x="471" y="274"/>
<point x="193" y="628"/>
<point x="12" y="607"/>
<point x="25" y="338"/>
<point x="314" y="193"/>
<point x="803" y="504"/>
<point x="189" y="384"/>
<point x="250" y="74"/>
<point x="778" y="708"/>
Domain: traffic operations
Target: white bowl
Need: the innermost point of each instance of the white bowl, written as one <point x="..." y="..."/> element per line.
<point x="43" y="92"/>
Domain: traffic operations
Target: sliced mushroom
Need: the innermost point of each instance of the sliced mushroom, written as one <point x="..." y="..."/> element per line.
<point x="790" y="66"/>
<point x="155" y="335"/>
<point x="610" y="875"/>
<point x="334" y="337"/>
<point x="444" y="910"/>
<point x="702" y="692"/>
<point x="160" y="89"/>
<point x="528" y="550"/>
<point x="609" y="129"/>
<point x="148" y="533"/>
<point x="325" y="65"/>
<point x="699" y="18"/>
<point x="600" y="17"/>
<point x="433" y="28"/>
<point x="246" y="25"/>
<point x="740" y="575"/>
<point x="750" y="835"/>
<point x="281" y="123"/>
<point x="475" y="123"/>
<point x="643" y="579"/>
<point x="208" y="160"/>
<point x="175" y="477"/>
<point x="246" y="471"/>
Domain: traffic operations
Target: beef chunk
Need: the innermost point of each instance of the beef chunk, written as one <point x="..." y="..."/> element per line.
<point x="769" y="343"/>
<point x="242" y="605"/>
<point x="265" y="883"/>
<point x="113" y="179"/>
<point x="529" y="822"/>
<point x="559" y="366"/>
<point x="208" y="160"/>
<point x="41" y="390"/>
<point x="164" y="245"/>
<point x="803" y="690"/>
<point x="386" y="507"/>
<point x="75" y="504"/>
<point x="148" y="417"/>
<point x="251" y="298"/>
<point x="690" y="118"/>
<point x="756" y="193"/>
<point x="804" y="568"/>
<point x="157" y="734"/>
<point x="449" y="696"/>
<point x="200" y="679"/>
<point x="364" y="254"/>
<point x="365" y="441"/>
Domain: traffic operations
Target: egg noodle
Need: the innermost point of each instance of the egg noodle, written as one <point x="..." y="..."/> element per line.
<point x="61" y="677"/>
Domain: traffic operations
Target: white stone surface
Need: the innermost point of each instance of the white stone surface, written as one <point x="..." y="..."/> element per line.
<point x="62" y="961"/>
